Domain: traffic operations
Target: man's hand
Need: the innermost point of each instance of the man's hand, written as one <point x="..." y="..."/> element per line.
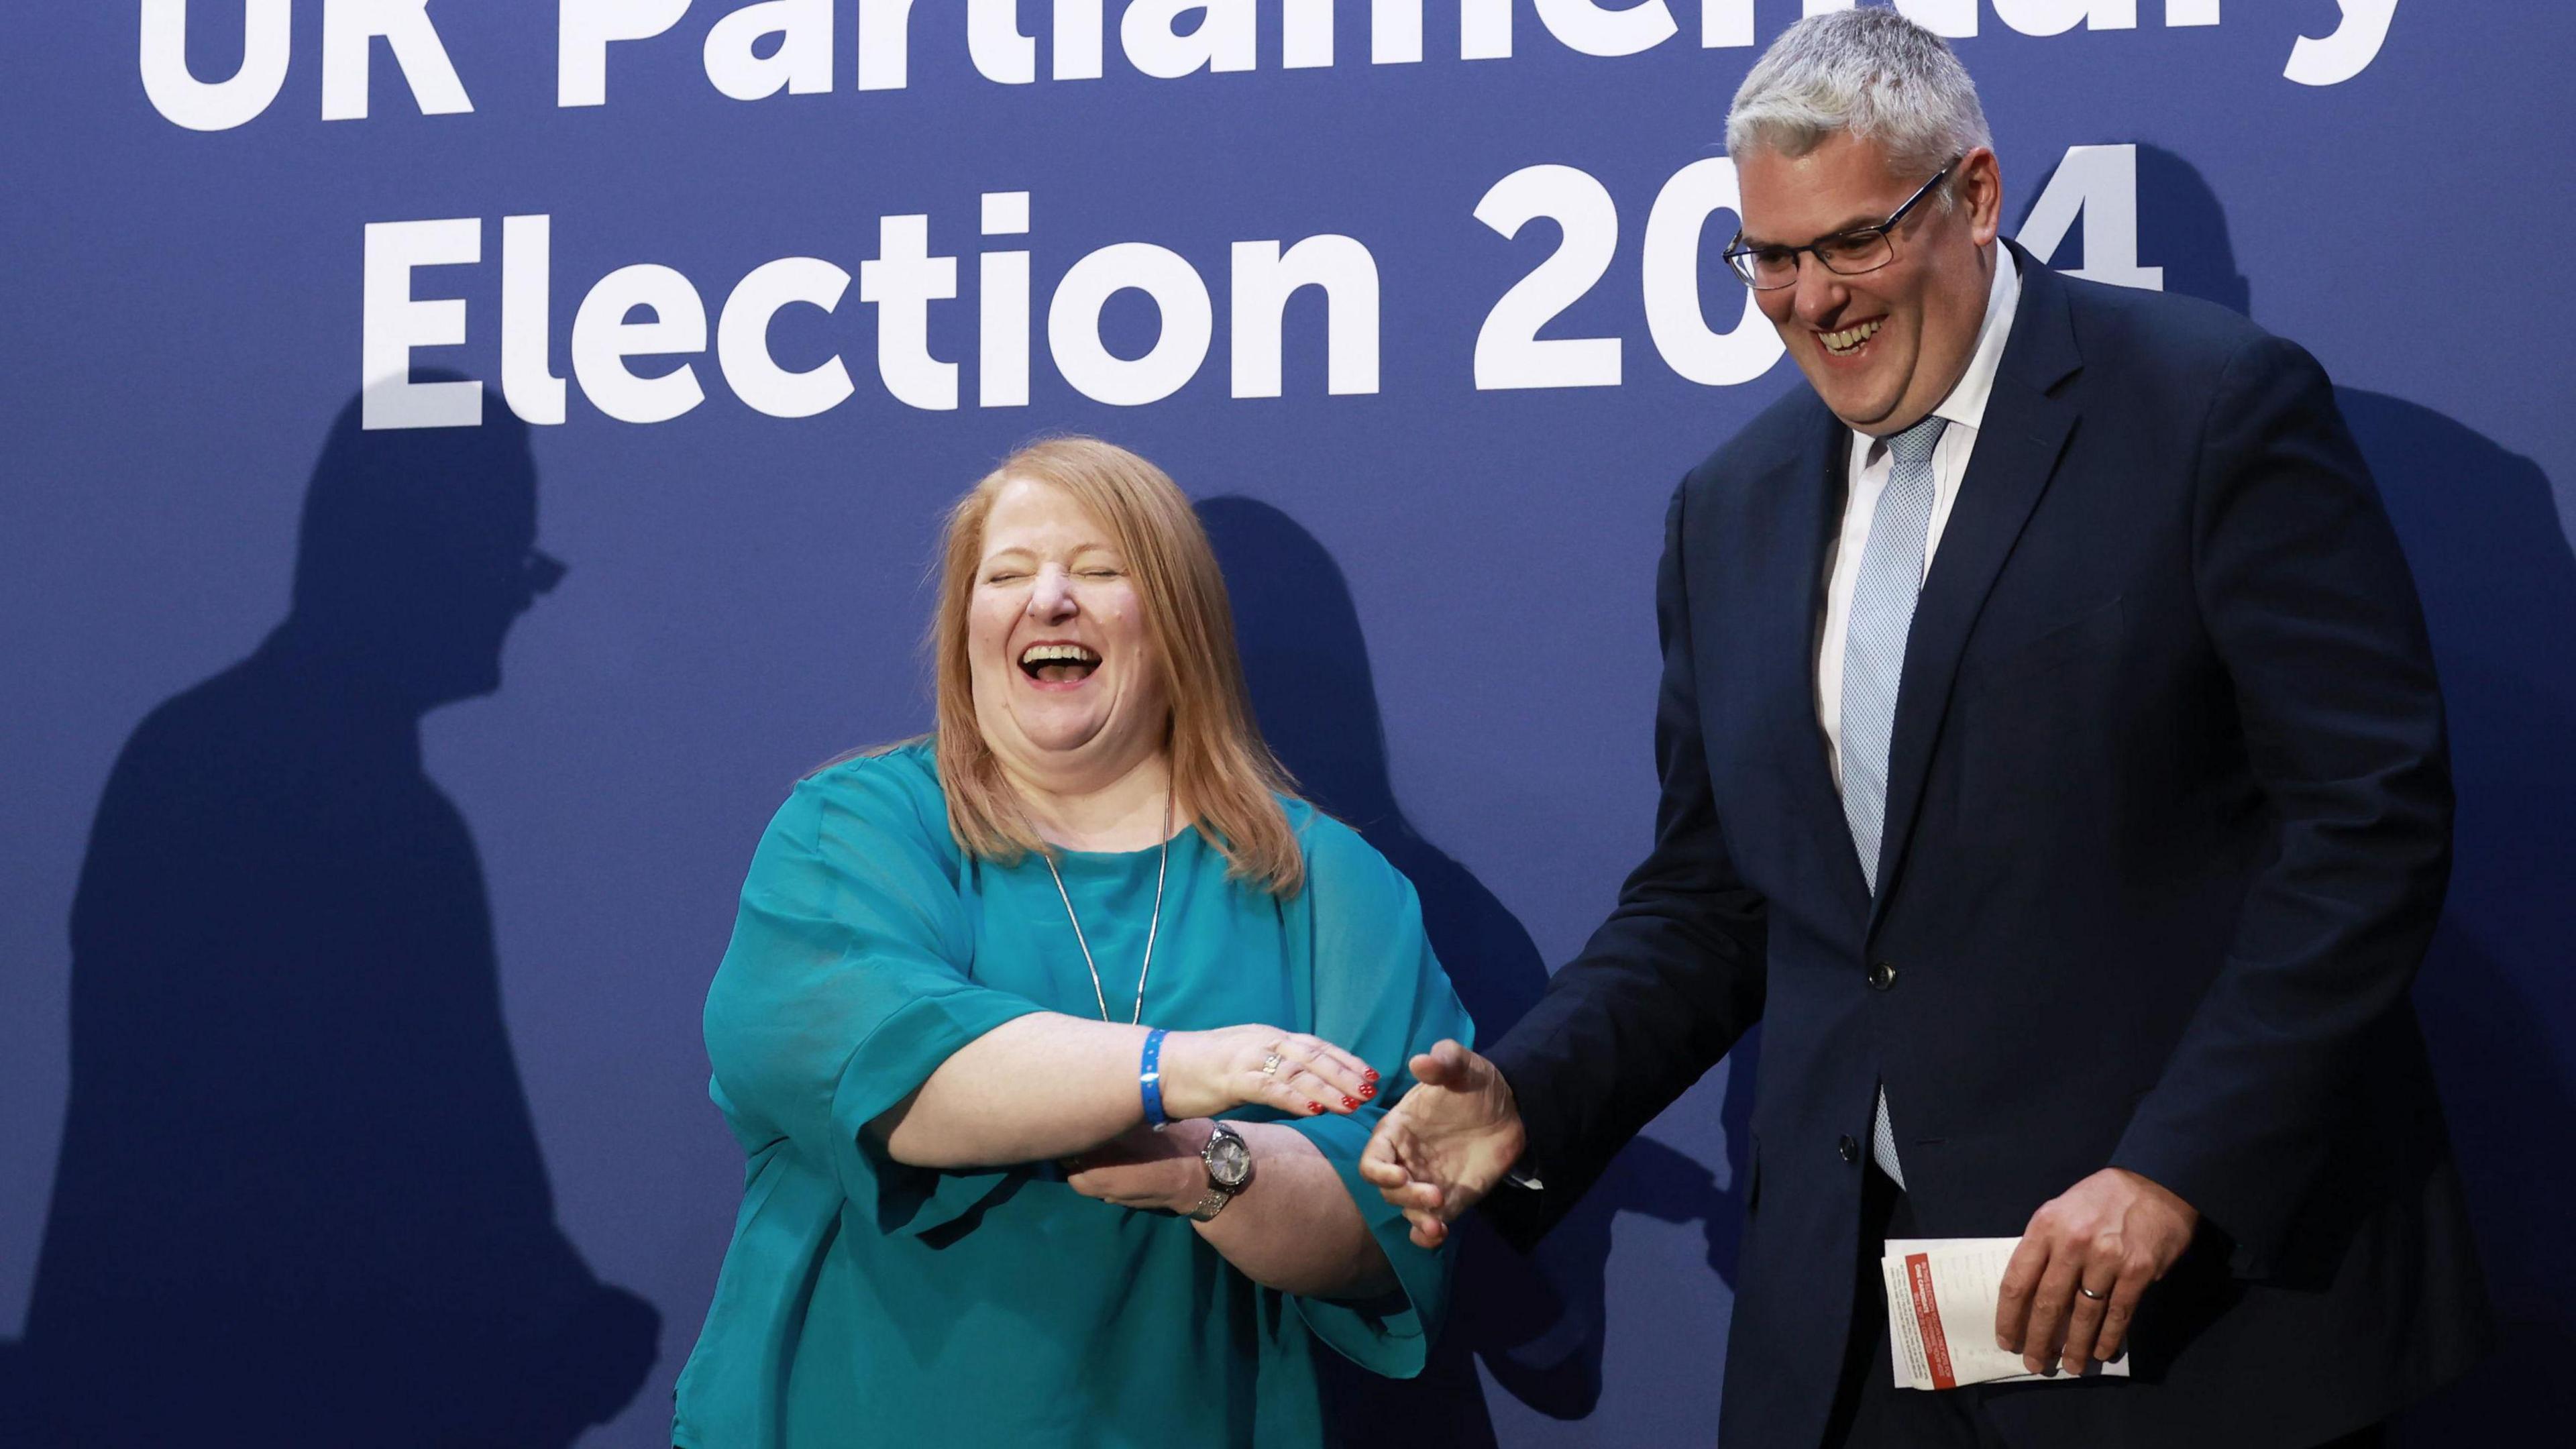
<point x="2108" y="1236"/>
<point x="1441" y="1149"/>
<point x="1143" y="1168"/>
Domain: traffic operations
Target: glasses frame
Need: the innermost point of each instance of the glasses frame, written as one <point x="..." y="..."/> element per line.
<point x="1739" y="256"/>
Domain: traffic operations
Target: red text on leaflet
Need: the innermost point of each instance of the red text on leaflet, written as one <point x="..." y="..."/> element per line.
<point x="1927" y="1319"/>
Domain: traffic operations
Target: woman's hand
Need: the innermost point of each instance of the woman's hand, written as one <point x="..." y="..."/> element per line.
<point x="1143" y="1168"/>
<point x="1207" y="1072"/>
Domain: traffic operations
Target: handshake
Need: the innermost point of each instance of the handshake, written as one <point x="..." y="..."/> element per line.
<point x="1436" y="1155"/>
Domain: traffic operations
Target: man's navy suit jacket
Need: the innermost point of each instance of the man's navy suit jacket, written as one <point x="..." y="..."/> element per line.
<point x="2168" y="827"/>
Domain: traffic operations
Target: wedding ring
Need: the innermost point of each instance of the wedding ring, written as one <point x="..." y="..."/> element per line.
<point x="1270" y="1064"/>
<point x="2089" y="1293"/>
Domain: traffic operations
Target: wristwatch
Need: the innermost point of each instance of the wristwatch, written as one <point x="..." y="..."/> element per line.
<point x="1229" y="1170"/>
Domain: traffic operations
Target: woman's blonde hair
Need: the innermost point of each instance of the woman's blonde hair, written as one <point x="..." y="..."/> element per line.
<point x="1220" y="766"/>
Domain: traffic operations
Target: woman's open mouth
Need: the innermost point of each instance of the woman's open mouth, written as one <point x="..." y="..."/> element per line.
<point x="1058" y="663"/>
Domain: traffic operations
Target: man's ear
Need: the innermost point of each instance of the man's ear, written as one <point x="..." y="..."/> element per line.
<point x="1980" y="187"/>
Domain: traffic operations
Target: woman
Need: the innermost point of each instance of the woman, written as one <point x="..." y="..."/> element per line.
<point x="970" y="974"/>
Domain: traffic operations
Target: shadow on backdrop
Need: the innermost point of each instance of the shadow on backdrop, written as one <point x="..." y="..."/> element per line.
<point x="1536" y="1322"/>
<point x="2490" y="556"/>
<point x="300" y="1200"/>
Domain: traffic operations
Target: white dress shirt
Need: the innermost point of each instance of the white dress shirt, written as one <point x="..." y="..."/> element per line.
<point x="1965" y="408"/>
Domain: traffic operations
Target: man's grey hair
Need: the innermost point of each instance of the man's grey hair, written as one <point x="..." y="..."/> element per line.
<point x="1868" y="73"/>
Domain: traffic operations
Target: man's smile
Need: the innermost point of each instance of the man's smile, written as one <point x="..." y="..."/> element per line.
<point x="1849" y="341"/>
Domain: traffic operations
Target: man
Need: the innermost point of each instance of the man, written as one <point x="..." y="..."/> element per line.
<point x="2052" y="760"/>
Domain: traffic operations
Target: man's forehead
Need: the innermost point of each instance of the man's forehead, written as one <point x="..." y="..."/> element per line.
<point x="1844" y="183"/>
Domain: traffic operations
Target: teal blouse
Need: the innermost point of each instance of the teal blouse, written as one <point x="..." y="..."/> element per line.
<point x="866" y="1302"/>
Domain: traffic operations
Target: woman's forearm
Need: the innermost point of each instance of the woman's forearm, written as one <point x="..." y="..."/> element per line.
<point x="1295" y="1228"/>
<point x="1048" y="1085"/>
<point x="1036" y="1087"/>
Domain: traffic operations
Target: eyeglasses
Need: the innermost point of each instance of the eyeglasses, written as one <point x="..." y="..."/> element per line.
<point x="1769" y="267"/>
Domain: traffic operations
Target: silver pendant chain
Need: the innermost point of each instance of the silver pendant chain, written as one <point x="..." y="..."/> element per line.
<point x="1152" y="928"/>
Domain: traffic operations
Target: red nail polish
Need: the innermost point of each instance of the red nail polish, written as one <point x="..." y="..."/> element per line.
<point x="1372" y="1074"/>
<point x="1350" y="1104"/>
<point x="1368" y="1091"/>
<point x="1314" y="1107"/>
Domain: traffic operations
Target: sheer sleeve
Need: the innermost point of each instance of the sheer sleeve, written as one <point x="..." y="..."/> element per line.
<point x="845" y="986"/>
<point x="1379" y="992"/>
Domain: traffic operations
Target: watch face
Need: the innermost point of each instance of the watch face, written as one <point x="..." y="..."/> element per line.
<point x="1228" y="1163"/>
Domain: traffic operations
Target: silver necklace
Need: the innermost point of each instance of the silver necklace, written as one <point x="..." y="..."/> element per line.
<point x="1152" y="927"/>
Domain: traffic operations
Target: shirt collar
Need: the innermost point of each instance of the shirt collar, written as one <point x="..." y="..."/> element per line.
<point x="1966" y="404"/>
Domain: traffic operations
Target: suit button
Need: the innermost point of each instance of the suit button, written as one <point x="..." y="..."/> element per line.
<point x="1850" y="1148"/>
<point x="1882" y="977"/>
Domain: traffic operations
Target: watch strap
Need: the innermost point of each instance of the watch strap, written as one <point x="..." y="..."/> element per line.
<point x="1213" y="1201"/>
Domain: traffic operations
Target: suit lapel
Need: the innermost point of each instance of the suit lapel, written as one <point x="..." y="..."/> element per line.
<point x="2025" y="430"/>
<point x="1812" y="487"/>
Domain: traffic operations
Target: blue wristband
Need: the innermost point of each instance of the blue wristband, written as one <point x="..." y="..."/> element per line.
<point x="1149" y="1080"/>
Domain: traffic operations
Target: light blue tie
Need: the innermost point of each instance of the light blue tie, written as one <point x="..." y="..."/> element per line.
<point x="1882" y="614"/>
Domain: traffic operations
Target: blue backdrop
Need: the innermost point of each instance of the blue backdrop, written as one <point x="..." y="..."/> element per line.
<point x="1436" y="477"/>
